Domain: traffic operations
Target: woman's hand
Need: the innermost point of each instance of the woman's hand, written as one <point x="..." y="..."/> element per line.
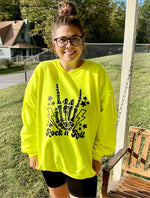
<point x="96" y="165"/>
<point x="34" y="162"/>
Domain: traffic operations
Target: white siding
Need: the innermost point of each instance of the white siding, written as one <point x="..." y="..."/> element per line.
<point x="5" y="53"/>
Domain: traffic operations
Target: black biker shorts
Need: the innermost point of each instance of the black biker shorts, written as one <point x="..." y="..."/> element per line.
<point x="77" y="187"/>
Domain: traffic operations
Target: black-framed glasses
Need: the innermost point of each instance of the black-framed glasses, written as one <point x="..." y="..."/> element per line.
<point x="74" y="40"/>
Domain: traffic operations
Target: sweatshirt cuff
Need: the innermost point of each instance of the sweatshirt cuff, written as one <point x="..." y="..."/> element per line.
<point x="97" y="157"/>
<point x="30" y="153"/>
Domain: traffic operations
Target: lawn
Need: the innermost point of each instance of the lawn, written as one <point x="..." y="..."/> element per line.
<point x="139" y="108"/>
<point x="17" y="68"/>
<point x="17" y="180"/>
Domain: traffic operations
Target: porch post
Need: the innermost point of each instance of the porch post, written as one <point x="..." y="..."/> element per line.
<point x="127" y="62"/>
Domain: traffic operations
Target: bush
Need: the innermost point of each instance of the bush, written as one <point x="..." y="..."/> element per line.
<point x="7" y="63"/>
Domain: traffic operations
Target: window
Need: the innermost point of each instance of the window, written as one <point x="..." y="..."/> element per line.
<point x="22" y="36"/>
<point x="1" y="52"/>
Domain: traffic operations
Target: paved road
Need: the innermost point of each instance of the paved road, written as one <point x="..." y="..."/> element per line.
<point x="13" y="79"/>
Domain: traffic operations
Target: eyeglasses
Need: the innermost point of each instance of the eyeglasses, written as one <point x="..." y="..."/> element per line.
<point x="74" y="40"/>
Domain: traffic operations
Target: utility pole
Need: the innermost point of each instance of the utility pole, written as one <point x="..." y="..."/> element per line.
<point x="25" y="70"/>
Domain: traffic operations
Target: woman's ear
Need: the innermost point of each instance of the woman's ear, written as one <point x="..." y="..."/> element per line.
<point x="53" y="44"/>
<point x="54" y="47"/>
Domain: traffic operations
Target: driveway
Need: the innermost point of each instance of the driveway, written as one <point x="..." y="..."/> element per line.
<point x="13" y="79"/>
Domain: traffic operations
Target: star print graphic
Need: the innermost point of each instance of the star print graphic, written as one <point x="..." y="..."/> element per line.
<point x="50" y="125"/>
<point x="50" y="98"/>
<point x="83" y="104"/>
<point x="84" y="126"/>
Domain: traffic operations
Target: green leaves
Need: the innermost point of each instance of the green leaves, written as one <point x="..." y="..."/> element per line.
<point x="40" y="14"/>
<point x="103" y="20"/>
<point x="99" y="18"/>
<point x="143" y="35"/>
<point x="9" y="10"/>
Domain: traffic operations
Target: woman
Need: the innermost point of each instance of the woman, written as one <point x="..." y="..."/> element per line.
<point x="69" y="114"/>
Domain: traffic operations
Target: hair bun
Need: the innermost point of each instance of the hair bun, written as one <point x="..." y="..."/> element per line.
<point x="66" y="8"/>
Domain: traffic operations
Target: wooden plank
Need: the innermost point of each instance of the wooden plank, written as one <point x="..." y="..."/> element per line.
<point x="136" y="178"/>
<point x="131" y="186"/>
<point x="148" y="160"/>
<point x="138" y="171"/>
<point x="142" y="193"/>
<point x="132" y="191"/>
<point x="136" y="181"/>
<point x="149" y="165"/>
<point x="113" y="161"/>
<point x="136" y="151"/>
<point x="114" y="195"/>
<point x="104" y="185"/>
<point x="125" y="194"/>
<point x="145" y="152"/>
<point x="128" y="159"/>
<point x="138" y="191"/>
<point x="139" y="130"/>
<point x="137" y="185"/>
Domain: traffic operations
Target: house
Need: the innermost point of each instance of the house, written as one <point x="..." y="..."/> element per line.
<point x="16" y="40"/>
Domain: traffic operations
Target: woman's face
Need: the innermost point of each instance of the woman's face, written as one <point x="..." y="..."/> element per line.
<point x="68" y="53"/>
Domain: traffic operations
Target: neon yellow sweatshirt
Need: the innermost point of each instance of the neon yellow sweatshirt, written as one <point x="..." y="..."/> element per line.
<point x="69" y="118"/>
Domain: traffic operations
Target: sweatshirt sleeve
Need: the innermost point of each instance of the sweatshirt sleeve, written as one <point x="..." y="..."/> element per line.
<point x="28" y="132"/>
<point x="105" y="141"/>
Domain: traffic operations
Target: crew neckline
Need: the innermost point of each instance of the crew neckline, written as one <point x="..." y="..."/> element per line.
<point x="72" y="71"/>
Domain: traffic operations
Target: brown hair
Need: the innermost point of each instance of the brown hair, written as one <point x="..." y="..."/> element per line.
<point x="67" y="15"/>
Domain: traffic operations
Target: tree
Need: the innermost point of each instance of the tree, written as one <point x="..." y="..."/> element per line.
<point x="94" y="15"/>
<point x="40" y="14"/>
<point x="99" y="18"/>
<point x="9" y="10"/>
<point x="143" y="34"/>
<point x="117" y="24"/>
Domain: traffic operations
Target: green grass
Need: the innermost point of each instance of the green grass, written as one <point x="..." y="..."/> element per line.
<point x="17" y="68"/>
<point x="139" y="107"/>
<point x="112" y="65"/>
<point x="12" y="69"/>
<point x="17" y="179"/>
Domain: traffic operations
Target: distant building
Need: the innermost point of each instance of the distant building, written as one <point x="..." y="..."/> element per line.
<point x="15" y="40"/>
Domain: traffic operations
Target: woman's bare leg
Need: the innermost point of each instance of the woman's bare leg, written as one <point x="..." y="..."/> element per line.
<point x="59" y="192"/>
<point x="71" y="196"/>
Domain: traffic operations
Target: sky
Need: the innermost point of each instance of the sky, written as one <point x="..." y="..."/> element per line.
<point x="138" y="0"/>
<point x="143" y="1"/>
